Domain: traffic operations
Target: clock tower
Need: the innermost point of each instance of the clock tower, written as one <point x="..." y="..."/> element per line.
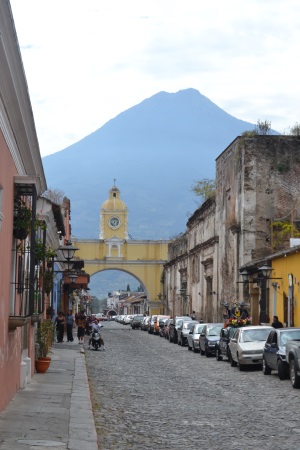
<point x="114" y="217"/>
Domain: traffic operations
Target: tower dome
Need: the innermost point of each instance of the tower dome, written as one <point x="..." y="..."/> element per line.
<point x="114" y="217"/>
<point x="114" y="203"/>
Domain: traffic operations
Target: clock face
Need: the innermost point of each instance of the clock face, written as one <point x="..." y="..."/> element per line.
<point x="114" y="222"/>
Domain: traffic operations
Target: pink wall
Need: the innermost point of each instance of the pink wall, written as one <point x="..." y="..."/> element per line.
<point x="10" y="342"/>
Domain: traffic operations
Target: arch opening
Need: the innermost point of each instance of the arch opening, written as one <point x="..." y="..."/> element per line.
<point x="109" y="286"/>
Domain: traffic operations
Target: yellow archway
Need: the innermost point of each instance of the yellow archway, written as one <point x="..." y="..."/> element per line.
<point x="114" y="250"/>
<point x="142" y="259"/>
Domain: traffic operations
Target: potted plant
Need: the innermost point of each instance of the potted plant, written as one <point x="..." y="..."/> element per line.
<point x="48" y="281"/>
<point x="44" y="341"/>
<point x="22" y="220"/>
<point x="42" y="252"/>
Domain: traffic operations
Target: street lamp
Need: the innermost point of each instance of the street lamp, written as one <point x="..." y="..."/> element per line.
<point x="68" y="250"/>
<point x="266" y="270"/>
<point x="72" y="276"/>
<point x="245" y="275"/>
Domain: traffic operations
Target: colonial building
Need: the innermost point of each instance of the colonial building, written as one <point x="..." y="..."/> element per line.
<point x="257" y="183"/>
<point x="32" y="226"/>
<point x="22" y="180"/>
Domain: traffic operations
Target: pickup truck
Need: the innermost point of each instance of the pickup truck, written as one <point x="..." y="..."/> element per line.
<point x="293" y="360"/>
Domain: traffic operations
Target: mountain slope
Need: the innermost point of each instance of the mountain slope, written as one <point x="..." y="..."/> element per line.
<point x="155" y="150"/>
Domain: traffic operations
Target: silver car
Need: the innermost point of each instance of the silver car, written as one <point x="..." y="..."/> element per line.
<point x="247" y="344"/>
<point x="183" y="331"/>
<point x="193" y="337"/>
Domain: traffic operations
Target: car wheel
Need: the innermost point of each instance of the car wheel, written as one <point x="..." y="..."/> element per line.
<point x="232" y="362"/>
<point x="190" y="348"/>
<point x="207" y="354"/>
<point x="295" y="379"/>
<point x="218" y="355"/>
<point x="195" y="350"/>
<point x="266" y="369"/>
<point x="170" y="340"/>
<point x="182" y="343"/>
<point x="202" y="352"/>
<point x="282" y="372"/>
<point x="241" y="367"/>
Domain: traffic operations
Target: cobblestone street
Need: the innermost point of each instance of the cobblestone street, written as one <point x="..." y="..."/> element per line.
<point x="150" y="394"/>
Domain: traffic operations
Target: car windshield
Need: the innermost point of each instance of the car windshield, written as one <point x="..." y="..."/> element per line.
<point x="254" y="335"/>
<point x="231" y="332"/>
<point x="214" y="331"/>
<point x="198" y="329"/>
<point x="289" y="335"/>
<point x="188" y="325"/>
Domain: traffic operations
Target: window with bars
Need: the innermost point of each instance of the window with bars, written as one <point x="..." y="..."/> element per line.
<point x="28" y="262"/>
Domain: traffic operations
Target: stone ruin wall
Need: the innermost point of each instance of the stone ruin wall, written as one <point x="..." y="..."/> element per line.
<point x="258" y="180"/>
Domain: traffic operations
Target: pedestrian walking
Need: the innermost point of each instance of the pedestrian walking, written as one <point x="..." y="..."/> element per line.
<point x="81" y="323"/>
<point x="60" y="326"/>
<point x="70" y="319"/>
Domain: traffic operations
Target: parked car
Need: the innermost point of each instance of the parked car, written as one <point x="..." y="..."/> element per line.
<point x="100" y="316"/>
<point x="193" y="337"/>
<point x="174" y="325"/>
<point x="161" y="323"/>
<point x="183" y="331"/>
<point x="156" y="323"/>
<point x="222" y="346"/>
<point x="127" y="319"/>
<point x="136" y="321"/>
<point x="166" y="328"/>
<point x="209" y="337"/>
<point x="247" y="344"/>
<point x="151" y="324"/>
<point x="144" y="323"/>
<point x="274" y="353"/>
<point x="293" y="358"/>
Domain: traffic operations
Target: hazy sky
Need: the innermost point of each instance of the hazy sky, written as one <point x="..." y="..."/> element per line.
<point x="86" y="61"/>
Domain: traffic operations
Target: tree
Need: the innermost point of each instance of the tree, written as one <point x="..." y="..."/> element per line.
<point x="295" y="129"/>
<point x="205" y="188"/>
<point x="55" y="195"/>
<point x="263" y="127"/>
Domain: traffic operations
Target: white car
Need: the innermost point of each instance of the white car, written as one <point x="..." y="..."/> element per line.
<point x="127" y="319"/>
<point x="247" y="344"/>
<point x="193" y="337"/>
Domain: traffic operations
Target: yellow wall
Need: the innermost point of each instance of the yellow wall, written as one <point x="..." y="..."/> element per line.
<point x="283" y="266"/>
<point x="142" y="259"/>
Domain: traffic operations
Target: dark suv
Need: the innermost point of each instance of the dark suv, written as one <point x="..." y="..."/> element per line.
<point x="173" y="326"/>
<point x="209" y="337"/>
<point x="137" y="321"/>
<point x="222" y="346"/>
<point x="274" y="357"/>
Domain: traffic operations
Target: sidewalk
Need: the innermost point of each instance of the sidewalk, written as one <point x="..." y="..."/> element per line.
<point x="54" y="411"/>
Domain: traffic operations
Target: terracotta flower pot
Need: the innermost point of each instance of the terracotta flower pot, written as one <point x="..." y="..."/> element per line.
<point x="46" y="358"/>
<point x="42" y="365"/>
